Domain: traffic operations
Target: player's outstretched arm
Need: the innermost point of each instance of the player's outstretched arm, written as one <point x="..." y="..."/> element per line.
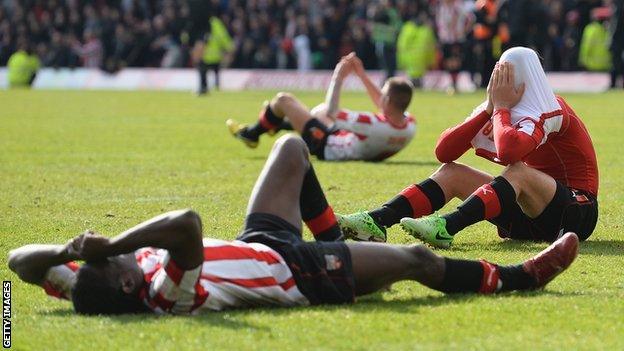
<point x="371" y="88"/>
<point x="179" y="232"/>
<point x="31" y="262"/>
<point x="332" y="99"/>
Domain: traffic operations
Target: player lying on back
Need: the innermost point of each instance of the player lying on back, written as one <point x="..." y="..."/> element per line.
<point x="548" y="187"/>
<point x="337" y="134"/>
<point x="165" y="266"/>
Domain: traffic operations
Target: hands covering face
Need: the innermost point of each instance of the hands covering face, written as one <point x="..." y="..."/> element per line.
<point x="502" y="91"/>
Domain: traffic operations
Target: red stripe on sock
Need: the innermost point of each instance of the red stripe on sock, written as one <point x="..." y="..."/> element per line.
<point x="73" y="266"/>
<point x="421" y="205"/>
<point x="489" y="282"/>
<point x="488" y="195"/>
<point x="264" y="122"/>
<point x="322" y="222"/>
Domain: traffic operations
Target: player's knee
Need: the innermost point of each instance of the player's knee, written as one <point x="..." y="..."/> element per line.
<point x="515" y="173"/>
<point x="293" y="149"/>
<point x="421" y="256"/>
<point x="319" y="110"/>
<point x="283" y="97"/>
<point x="450" y="170"/>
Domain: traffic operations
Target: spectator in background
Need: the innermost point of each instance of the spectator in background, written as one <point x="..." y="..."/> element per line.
<point x="60" y="53"/>
<point x="363" y="47"/>
<point x="164" y="49"/>
<point x="91" y="52"/>
<point x="385" y="29"/>
<point x="153" y="33"/>
<point x="416" y="49"/>
<point x="594" y="52"/>
<point x="22" y="66"/>
<point x="484" y="30"/>
<point x="617" y="43"/>
<point x="571" y="40"/>
<point x="301" y="44"/>
<point x="453" y="24"/>
<point x="214" y="46"/>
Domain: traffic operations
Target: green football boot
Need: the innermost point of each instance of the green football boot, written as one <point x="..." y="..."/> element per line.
<point x="360" y="226"/>
<point x="430" y="229"/>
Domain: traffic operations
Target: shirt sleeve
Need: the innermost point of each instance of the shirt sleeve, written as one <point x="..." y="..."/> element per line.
<point x="355" y="122"/>
<point x="455" y="141"/>
<point x="174" y="290"/>
<point x="514" y="142"/>
<point x="60" y="279"/>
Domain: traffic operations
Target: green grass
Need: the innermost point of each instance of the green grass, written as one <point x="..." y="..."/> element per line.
<point x="70" y="161"/>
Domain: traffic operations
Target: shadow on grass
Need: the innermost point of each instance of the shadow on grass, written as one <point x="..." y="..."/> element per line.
<point x="371" y="304"/>
<point x="589" y="247"/>
<point x="385" y="163"/>
<point x="410" y="163"/>
<point x="602" y="247"/>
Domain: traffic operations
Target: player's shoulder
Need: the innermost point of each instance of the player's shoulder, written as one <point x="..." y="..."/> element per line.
<point x="408" y="122"/>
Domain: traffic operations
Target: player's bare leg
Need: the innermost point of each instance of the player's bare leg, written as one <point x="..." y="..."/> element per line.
<point x="376" y="266"/>
<point x="284" y="111"/>
<point x="287" y="105"/>
<point x="278" y="186"/>
<point x="519" y="185"/>
<point x="534" y="189"/>
<point x="288" y="188"/>
<point x="451" y="180"/>
<point x="458" y="180"/>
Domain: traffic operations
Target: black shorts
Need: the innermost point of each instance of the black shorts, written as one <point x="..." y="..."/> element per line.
<point x="315" y="135"/>
<point x="570" y="210"/>
<point x="322" y="270"/>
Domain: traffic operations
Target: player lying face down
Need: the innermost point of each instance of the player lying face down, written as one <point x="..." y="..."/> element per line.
<point x="336" y="134"/>
<point x="165" y="266"/>
<point x="549" y="185"/>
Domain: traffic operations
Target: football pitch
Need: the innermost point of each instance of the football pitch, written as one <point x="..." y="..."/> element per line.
<point x="71" y="161"/>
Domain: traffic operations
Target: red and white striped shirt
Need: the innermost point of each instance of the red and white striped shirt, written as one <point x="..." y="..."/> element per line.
<point x="234" y="274"/>
<point x="368" y="136"/>
<point x="452" y="21"/>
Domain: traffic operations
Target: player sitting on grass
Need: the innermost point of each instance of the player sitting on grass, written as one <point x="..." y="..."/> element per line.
<point x="163" y="265"/>
<point x="549" y="185"/>
<point x="336" y="134"/>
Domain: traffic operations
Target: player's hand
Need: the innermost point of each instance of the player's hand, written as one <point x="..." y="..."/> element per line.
<point x="91" y="246"/>
<point x="358" y="66"/>
<point x="504" y="94"/>
<point x="72" y="247"/>
<point x="343" y="68"/>
<point x="490" y="105"/>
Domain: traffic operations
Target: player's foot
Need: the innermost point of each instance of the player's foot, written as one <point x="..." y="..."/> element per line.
<point x="239" y="130"/>
<point x="430" y="229"/>
<point x="556" y="258"/>
<point x="360" y="226"/>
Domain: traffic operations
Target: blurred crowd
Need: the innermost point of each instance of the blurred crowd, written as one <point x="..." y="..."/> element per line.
<point x="413" y="35"/>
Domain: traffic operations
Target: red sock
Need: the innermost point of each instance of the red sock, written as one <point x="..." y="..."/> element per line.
<point x="490" y="280"/>
<point x="415" y="201"/>
<point x="324" y="226"/>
